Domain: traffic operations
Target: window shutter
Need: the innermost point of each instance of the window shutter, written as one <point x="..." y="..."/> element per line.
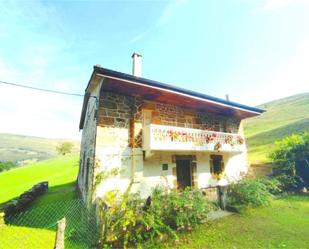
<point x="174" y="171"/>
<point x="194" y="175"/>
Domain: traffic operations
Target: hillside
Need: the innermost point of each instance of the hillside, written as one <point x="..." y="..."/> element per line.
<point x="57" y="171"/>
<point x="282" y="118"/>
<point x="36" y="228"/>
<point x="23" y="149"/>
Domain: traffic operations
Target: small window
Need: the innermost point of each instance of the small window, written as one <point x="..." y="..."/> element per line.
<point x="164" y="166"/>
<point x="217" y="166"/>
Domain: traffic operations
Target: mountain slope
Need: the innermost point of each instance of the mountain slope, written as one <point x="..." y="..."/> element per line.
<point x="22" y="149"/>
<point x="282" y="118"/>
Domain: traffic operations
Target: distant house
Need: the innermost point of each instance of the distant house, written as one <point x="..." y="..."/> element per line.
<point x="157" y="134"/>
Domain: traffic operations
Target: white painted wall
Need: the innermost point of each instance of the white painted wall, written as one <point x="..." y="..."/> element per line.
<point x="149" y="173"/>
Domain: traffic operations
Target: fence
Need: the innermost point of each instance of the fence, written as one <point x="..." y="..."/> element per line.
<point x="36" y="228"/>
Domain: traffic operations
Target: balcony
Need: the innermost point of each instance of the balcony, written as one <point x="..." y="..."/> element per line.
<point x="171" y="138"/>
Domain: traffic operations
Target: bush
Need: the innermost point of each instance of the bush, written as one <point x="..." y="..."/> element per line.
<point x="291" y="161"/>
<point x="249" y="193"/>
<point x="130" y="220"/>
<point x="180" y="210"/>
<point x="273" y="185"/>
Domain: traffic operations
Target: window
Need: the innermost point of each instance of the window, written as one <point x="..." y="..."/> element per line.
<point x="217" y="166"/>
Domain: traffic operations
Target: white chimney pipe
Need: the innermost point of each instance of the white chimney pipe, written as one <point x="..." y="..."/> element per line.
<point x="137" y="65"/>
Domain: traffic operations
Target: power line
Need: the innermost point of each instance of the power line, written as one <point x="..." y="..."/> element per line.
<point x="41" y="89"/>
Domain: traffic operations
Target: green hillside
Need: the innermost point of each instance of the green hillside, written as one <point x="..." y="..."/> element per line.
<point x="36" y="228"/>
<point x="23" y="149"/>
<point x="58" y="171"/>
<point x="282" y="118"/>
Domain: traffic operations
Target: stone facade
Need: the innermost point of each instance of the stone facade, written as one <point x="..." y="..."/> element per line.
<point x="87" y="150"/>
<point x="123" y="111"/>
<point x="112" y="138"/>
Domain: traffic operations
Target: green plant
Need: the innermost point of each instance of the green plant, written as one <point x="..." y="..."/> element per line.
<point x="273" y="185"/>
<point x="181" y="210"/>
<point x="291" y="161"/>
<point x="249" y="193"/>
<point x="127" y="221"/>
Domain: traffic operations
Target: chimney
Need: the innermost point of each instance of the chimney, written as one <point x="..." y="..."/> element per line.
<point x="137" y="65"/>
<point x="227" y="97"/>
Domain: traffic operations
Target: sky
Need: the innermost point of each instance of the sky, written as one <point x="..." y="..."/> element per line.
<point x="254" y="50"/>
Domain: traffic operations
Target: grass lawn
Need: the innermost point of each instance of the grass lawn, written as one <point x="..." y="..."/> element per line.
<point x="36" y="228"/>
<point x="284" y="224"/>
<point x="57" y="171"/>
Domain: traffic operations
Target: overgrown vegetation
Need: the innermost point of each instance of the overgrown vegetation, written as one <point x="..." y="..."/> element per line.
<point x="291" y="161"/>
<point x="129" y="220"/>
<point x="250" y="193"/>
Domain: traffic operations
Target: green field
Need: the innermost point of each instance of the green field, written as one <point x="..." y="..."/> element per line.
<point x="282" y="118"/>
<point x="18" y="148"/>
<point x="36" y="228"/>
<point x="59" y="171"/>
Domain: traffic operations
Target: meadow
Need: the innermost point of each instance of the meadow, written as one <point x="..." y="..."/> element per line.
<point x="282" y="118"/>
<point x="36" y="227"/>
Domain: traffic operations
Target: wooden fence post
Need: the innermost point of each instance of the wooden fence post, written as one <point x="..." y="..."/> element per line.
<point x="59" y="243"/>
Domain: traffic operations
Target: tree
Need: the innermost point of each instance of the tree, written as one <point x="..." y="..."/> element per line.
<point x="291" y="160"/>
<point x="64" y="148"/>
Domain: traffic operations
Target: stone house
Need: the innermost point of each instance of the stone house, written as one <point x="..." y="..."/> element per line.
<point x="157" y="134"/>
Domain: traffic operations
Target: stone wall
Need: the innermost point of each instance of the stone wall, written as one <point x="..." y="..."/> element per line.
<point x="173" y="115"/>
<point x="87" y="150"/>
<point x="123" y="111"/>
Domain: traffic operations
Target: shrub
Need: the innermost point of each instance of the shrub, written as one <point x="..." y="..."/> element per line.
<point x="291" y="160"/>
<point x="130" y="220"/>
<point x="273" y="185"/>
<point x="180" y="210"/>
<point x="249" y="193"/>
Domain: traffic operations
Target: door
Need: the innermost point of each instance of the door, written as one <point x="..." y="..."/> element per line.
<point x="183" y="168"/>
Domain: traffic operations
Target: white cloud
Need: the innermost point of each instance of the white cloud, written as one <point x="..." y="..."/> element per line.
<point x="169" y="11"/>
<point x="287" y="78"/>
<point x="270" y="5"/>
<point x="35" y="30"/>
<point x="138" y="37"/>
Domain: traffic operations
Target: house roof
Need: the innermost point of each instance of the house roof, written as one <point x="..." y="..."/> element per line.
<point x="115" y="79"/>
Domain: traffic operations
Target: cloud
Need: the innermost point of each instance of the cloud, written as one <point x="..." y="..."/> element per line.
<point x="138" y="37"/>
<point x="34" y="52"/>
<point x="293" y="73"/>
<point x="169" y="11"/>
<point x="287" y="78"/>
<point x="270" y="5"/>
